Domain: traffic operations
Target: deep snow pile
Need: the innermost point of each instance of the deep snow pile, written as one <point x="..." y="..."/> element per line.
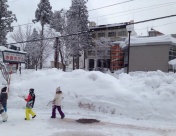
<point x="139" y="95"/>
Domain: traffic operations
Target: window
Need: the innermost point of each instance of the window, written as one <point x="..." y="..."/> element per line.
<point x="108" y="52"/>
<point x="101" y="34"/>
<point x="122" y="33"/>
<point x="111" y="34"/>
<point x="172" y="53"/>
<point x="93" y="35"/>
<point x="91" y="53"/>
<point x="152" y="34"/>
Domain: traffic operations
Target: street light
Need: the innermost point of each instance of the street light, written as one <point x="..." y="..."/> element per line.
<point x="129" y="28"/>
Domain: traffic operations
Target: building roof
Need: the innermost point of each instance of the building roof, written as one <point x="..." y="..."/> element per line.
<point x="157" y="40"/>
<point x="108" y="26"/>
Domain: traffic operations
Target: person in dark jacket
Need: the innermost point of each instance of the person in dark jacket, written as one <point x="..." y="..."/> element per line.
<point x="3" y="98"/>
<point x="30" y="104"/>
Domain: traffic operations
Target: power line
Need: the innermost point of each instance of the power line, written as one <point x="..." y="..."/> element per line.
<point x="150" y="7"/>
<point x="13" y="1"/>
<point x="111" y="5"/>
<point x="122" y="15"/>
<point x="157" y="25"/>
<point x="50" y="38"/>
<point x="89" y="31"/>
<point x="152" y="19"/>
<point x="88" y="10"/>
<point x="22" y="24"/>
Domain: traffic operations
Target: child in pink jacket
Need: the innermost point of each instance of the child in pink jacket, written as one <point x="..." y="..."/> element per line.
<point x="57" y="104"/>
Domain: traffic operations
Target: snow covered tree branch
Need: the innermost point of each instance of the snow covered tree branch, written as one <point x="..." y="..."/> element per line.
<point x="6" y="19"/>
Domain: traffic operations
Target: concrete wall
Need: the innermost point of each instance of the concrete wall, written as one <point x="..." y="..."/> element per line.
<point x="149" y="58"/>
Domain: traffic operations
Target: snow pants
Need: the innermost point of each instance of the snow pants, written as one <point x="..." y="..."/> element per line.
<point x="5" y="108"/>
<point x="59" y="110"/>
<point x="3" y="113"/>
<point x="28" y="112"/>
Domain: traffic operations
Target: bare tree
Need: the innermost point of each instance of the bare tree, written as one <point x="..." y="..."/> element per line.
<point x="20" y="35"/>
<point x="33" y="47"/>
<point x="58" y="23"/>
<point x="102" y="46"/>
<point x="48" y="44"/>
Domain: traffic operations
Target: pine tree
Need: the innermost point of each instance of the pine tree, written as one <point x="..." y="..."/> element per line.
<point x="58" y="21"/>
<point x="43" y="15"/>
<point x="6" y="19"/>
<point x="77" y="21"/>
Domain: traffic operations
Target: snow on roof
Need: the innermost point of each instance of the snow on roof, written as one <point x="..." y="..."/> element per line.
<point x="3" y="48"/>
<point x="108" y="25"/>
<point x="138" y="41"/>
<point x="156" y="39"/>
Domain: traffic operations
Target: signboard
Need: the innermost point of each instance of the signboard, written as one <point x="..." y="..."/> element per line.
<point x="13" y="57"/>
<point x="11" y="68"/>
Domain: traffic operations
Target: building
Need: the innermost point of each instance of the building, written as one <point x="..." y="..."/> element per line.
<point x="150" y="53"/>
<point x="113" y="31"/>
<point x="117" y="56"/>
<point x="105" y="57"/>
<point x="154" y="32"/>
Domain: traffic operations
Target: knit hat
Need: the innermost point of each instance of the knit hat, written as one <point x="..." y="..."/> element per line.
<point x="4" y="89"/>
<point x="31" y="90"/>
<point x="58" y="89"/>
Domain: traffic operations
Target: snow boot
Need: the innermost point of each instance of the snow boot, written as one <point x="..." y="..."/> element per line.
<point x="4" y="116"/>
<point x="34" y="116"/>
<point x="63" y="117"/>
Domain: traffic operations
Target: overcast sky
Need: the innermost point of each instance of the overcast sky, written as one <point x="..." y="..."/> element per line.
<point x="136" y="10"/>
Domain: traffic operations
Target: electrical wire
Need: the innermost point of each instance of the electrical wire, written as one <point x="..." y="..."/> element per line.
<point x="23" y="24"/>
<point x="111" y="5"/>
<point x="150" y="7"/>
<point x="13" y="1"/>
<point x="156" y="26"/>
<point x="139" y="22"/>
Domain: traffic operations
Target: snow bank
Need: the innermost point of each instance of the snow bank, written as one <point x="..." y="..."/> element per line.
<point x="138" y="95"/>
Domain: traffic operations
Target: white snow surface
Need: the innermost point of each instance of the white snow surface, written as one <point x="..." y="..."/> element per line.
<point x="135" y="104"/>
<point x="156" y="39"/>
<point x="173" y="63"/>
<point x="3" y="48"/>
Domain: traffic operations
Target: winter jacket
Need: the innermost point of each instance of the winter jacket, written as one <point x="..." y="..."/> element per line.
<point x="57" y="99"/>
<point x="3" y="98"/>
<point x="30" y="101"/>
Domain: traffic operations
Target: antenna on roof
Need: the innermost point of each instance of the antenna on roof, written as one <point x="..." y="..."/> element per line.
<point x="147" y="29"/>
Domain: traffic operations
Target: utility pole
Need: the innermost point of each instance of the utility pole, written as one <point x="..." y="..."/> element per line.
<point x="56" y="52"/>
<point x="128" y="52"/>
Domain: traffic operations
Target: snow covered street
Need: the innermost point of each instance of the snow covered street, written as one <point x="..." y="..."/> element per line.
<point x="43" y="125"/>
